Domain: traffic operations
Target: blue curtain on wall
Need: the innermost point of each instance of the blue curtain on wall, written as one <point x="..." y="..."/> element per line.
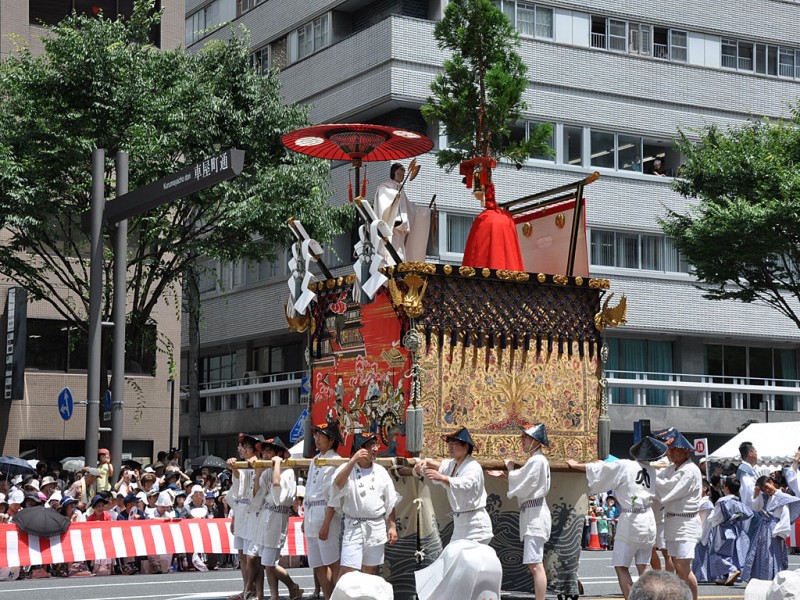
<point x="659" y="361"/>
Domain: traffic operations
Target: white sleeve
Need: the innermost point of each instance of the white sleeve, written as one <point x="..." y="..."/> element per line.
<point x="746" y="491"/>
<point x="280" y="494"/>
<point x="532" y="476"/>
<point x="790" y="475"/>
<point x="783" y="528"/>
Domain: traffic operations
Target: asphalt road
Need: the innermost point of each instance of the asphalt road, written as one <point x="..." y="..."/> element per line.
<point x="595" y="572"/>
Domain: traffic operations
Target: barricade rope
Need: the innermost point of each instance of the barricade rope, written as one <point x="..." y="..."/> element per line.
<point x="120" y="539"/>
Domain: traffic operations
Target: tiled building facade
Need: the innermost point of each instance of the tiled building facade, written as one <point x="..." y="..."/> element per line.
<point x="617" y="80"/>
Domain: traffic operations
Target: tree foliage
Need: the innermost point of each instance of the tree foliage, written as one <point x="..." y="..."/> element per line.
<point x="479" y="96"/>
<point x="743" y="234"/>
<point x="99" y="84"/>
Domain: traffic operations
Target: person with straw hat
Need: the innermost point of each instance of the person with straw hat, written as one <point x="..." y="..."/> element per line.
<point x="462" y="477"/>
<point x="273" y="494"/>
<point x="322" y="519"/>
<point x="530" y="486"/>
<point x="239" y="500"/>
<point x="368" y="500"/>
<point x="679" y="488"/>
<point x="634" y="482"/>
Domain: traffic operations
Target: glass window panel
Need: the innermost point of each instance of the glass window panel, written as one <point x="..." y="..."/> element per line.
<point x="627" y="250"/>
<point x="674" y="260"/>
<point x="598" y="38"/>
<point x="786" y="62"/>
<point x="735" y="361"/>
<point x="646" y="33"/>
<point x="526" y="19"/>
<point x="458" y="227"/>
<point x="729" y="52"/>
<point x="544" y="22"/>
<point x="772" y="60"/>
<point x="47" y="345"/>
<point x="551" y="142"/>
<point x="661" y="43"/>
<point x="678" y="46"/>
<point x="652" y="252"/>
<point x="745" y="56"/>
<point x="761" y="59"/>
<point x="602" y="149"/>
<point x="714" y="366"/>
<point x="602" y="248"/>
<point x="617" y="35"/>
<point x="573" y="145"/>
<point x="508" y="10"/>
<point x="629" y="152"/>
<point x="797" y="64"/>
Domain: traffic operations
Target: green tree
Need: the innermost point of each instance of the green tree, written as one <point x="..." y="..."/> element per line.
<point x="742" y="236"/>
<point x="479" y="96"/>
<point x="99" y="83"/>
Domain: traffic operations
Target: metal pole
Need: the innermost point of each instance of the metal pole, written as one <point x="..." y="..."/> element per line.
<point x="95" y="307"/>
<point x="171" y="410"/>
<point x="120" y="301"/>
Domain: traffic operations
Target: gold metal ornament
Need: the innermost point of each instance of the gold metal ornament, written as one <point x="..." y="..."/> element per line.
<point x="486" y="272"/>
<point x="560" y="279"/>
<point x="527" y="229"/>
<point x="466" y="271"/>
<point x="612" y="317"/>
<point x="579" y="280"/>
<point x="560" y="220"/>
<point x="541" y="278"/>
<point x="448" y="269"/>
<point x="411" y="301"/>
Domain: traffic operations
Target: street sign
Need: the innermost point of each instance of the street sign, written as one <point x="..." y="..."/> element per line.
<point x="107" y="405"/>
<point x="305" y="387"/>
<point x="299" y="427"/>
<point x="701" y="446"/>
<point x="65" y="404"/>
<point x="210" y="171"/>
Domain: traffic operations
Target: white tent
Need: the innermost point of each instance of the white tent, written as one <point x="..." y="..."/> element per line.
<point x="776" y="444"/>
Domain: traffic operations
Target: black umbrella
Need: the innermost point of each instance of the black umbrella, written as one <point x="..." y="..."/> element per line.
<point x="41" y="521"/>
<point x="11" y="467"/>
<point x="196" y="462"/>
<point x="213" y="462"/>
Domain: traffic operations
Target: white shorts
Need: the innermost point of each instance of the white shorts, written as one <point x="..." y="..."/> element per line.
<point x="681" y="549"/>
<point x="251" y="548"/>
<point x="532" y="550"/>
<point x="356" y="556"/>
<point x="239" y="542"/>
<point x="322" y="553"/>
<point x="624" y="554"/>
<point x="269" y="556"/>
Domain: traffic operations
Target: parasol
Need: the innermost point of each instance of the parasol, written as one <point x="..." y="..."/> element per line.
<point x="11" y="467"/>
<point x="41" y="521"/>
<point x="213" y="462"/>
<point x="73" y="463"/>
<point x="357" y="143"/>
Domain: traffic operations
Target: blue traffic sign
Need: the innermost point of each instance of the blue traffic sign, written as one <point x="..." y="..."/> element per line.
<point x="305" y="387"/>
<point x="298" y="430"/>
<point x="65" y="404"/>
<point x="107" y="401"/>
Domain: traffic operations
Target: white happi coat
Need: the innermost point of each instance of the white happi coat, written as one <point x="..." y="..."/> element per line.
<point x="529" y="484"/>
<point x="239" y="498"/>
<point x="634" y="484"/>
<point x="319" y="496"/>
<point x="467" y="497"/>
<point x="271" y="507"/>
<point x="680" y="491"/>
<point x="367" y="499"/>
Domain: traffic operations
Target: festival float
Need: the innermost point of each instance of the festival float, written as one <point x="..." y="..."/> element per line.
<point x="412" y="350"/>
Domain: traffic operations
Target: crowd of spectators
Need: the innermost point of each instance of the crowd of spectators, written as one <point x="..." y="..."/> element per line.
<point x="161" y="490"/>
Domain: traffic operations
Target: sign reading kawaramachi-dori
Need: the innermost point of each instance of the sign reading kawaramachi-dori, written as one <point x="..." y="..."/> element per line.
<point x="194" y="178"/>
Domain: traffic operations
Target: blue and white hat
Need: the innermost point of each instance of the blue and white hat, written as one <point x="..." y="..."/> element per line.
<point x="537" y="432"/>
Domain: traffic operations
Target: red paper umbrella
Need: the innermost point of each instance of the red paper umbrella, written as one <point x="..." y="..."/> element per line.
<point x="357" y="143"/>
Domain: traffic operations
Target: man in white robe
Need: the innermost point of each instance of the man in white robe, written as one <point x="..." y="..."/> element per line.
<point x="368" y="501"/>
<point x="403" y="217"/>
<point x="634" y="485"/>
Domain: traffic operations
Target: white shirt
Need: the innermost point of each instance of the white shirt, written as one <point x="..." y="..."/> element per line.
<point x="634" y="484"/>
<point x="320" y="488"/>
<point x="239" y="498"/>
<point x="532" y="482"/>
<point x="271" y="507"/>
<point x="467" y="497"/>
<point x="368" y="498"/>
<point x="680" y="490"/>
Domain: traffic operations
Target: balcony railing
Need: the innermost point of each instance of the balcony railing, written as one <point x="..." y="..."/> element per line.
<point x="599" y="40"/>
<point x="703" y="391"/>
<point x="661" y="51"/>
<point x="252" y="391"/>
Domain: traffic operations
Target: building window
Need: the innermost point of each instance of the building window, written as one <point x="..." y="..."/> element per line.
<point x="678" y="46"/>
<point x="603" y="149"/>
<point x="453" y="232"/>
<point x="745" y="365"/>
<point x="215" y="371"/>
<point x="55" y="345"/>
<point x="313" y="36"/>
<point x="242" y="6"/>
<point x="632" y="359"/>
<point x="261" y="60"/>
<point x="572" y="139"/>
<point x="198" y="24"/>
<point x="648" y="252"/>
<point x="530" y="20"/>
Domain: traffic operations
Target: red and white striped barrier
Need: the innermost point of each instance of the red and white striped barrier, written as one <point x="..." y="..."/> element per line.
<point x="793" y="540"/>
<point x="119" y="539"/>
